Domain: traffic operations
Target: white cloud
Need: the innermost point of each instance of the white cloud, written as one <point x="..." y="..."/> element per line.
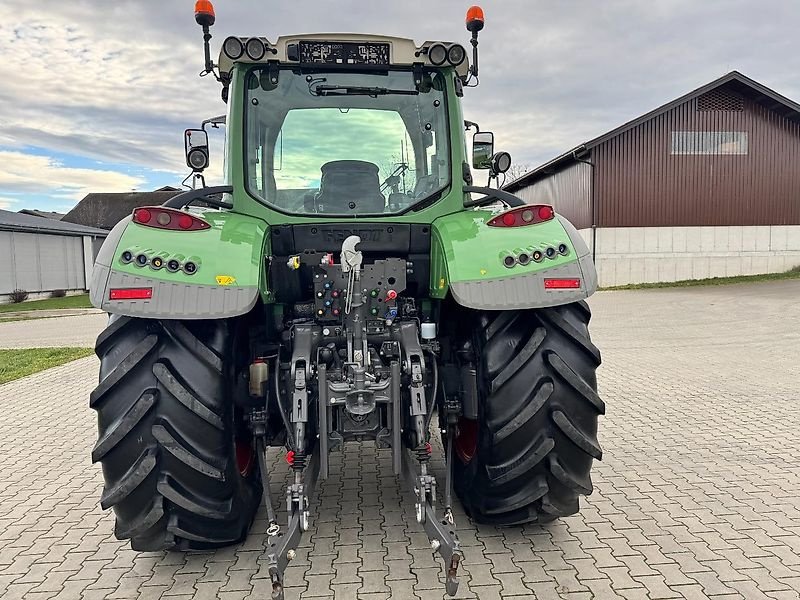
<point x="7" y="203"/>
<point x="117" y="81"/>
<point x="22" y="173"/>
<point x="78" y="83"/>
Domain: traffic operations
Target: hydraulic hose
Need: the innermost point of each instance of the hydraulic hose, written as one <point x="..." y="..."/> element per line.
<point x="435" y="369"/>
<point x="289" y="434"/>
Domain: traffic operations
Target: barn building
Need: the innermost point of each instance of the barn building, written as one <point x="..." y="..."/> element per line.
<point x="42" y="255"/>
<point x="104" y="210"/>
<point x="47" y="251"/>
<point x="707" y="185"/>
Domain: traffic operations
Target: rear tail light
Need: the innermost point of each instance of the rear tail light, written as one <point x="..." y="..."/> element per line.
<point x="167" y="218"/>
<point x="523" y="215"/>
<point x="562" y="284"/>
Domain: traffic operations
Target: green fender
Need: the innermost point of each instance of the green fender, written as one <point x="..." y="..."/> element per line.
<point x="468" y="262"/>
<point x="228" y="257"/>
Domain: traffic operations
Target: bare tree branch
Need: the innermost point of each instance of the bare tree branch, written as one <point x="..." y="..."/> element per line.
<point x="517" y="170"/>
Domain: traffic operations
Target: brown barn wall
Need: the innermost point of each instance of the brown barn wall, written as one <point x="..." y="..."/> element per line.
<point x="638" y="182"/>
<point x="569" y="191"/>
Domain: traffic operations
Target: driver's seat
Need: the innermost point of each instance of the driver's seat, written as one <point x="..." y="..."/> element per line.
<point x="350" y="186"/>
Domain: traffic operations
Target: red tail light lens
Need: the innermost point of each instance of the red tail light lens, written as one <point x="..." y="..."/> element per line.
<point x="546" y="212"/>
<point x="168" y="218"/>
<point x="562" y="284"/>
<point x="142" y="216"/>
<point x="130" y="293"/>
<point x="523" y="215"/>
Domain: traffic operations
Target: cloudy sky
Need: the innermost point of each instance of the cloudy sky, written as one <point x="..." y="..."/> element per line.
<point x="95" y="94"/>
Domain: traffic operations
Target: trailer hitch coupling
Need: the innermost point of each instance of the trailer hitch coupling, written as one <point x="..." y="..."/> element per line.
<point x="281" y="546"/>
<point x="440" y="530"/>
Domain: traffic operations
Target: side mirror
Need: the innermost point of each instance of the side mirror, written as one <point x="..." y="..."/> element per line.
<point x="195" y="143"/>
<point x="482" y="150"/>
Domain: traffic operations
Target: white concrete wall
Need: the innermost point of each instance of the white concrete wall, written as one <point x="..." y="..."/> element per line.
<point x="653" y="254"/>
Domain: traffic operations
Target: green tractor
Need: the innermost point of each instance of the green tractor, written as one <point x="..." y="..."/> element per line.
<point x="349" y="284"/>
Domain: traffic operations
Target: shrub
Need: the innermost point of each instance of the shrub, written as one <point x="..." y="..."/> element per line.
<point x="18" y="296"/>
<point x="58" y="293"/>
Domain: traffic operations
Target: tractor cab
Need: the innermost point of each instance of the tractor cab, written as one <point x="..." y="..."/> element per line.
<point x="346" y="125"/>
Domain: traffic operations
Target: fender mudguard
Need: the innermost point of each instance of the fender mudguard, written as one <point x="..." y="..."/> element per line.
<point x="225" y="282"/>
<point x="468" y="261"/>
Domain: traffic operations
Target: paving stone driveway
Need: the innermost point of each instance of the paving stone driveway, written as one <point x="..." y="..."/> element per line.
<point x="698" y="494"/>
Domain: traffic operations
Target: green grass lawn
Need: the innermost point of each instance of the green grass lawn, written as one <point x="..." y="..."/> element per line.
<point x="19" y="363"/>
<point x="793" y="274"/>
<point x="81" y="301"/>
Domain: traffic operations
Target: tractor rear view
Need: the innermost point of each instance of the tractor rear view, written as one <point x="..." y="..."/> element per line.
<point x="348" y="284"/>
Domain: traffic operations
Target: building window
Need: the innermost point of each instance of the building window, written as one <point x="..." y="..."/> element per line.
<point x="709" y="142"/>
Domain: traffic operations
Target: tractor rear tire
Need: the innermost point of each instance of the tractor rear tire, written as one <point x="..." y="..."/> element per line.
<point x="179" y="471"/>
<point x="528" y="456"/>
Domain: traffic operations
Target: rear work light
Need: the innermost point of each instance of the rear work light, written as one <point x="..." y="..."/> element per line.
<point x="130" y="293"/>
<point x="562" y="284"/>
<point x="523" y="215"/>
<point x="168" y="218"/>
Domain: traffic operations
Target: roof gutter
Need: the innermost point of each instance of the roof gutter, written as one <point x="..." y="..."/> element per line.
<point x="544" y="169"/>
<point x="44" y="230"/>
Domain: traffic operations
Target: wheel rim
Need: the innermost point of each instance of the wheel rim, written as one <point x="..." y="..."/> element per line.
<point x="466" y="442"/>
<point x="245" y="457"/>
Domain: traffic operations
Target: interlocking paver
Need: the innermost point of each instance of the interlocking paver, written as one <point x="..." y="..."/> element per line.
<point x="696" y="498"/>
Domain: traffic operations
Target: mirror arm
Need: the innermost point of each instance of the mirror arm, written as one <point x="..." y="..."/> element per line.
<point x="490" y="193"/>
<point x="186" y="198"/>
<point x="215" y="122"/>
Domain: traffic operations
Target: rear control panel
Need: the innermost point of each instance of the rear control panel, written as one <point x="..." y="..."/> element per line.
<point x="381" y="284"/>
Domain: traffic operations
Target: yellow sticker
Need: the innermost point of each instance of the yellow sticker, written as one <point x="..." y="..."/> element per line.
<point x="225" y="279"/>
<point x="441" y="283"/>
<point x="483" y="271"/>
